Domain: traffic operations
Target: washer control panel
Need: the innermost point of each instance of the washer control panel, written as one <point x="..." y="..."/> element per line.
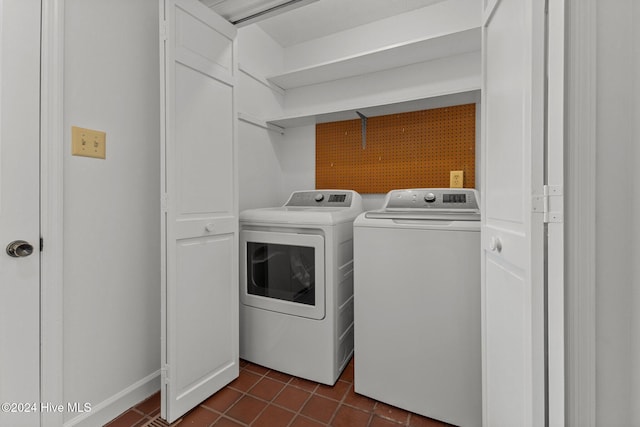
<point x="321" y="198"/>
<point x="432" y="198"/>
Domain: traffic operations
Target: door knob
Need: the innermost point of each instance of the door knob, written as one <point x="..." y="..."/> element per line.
<point x="496" y="244"/>
<point x="19" y="249"/>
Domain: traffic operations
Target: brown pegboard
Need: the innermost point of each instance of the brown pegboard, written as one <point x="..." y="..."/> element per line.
<point x="408" y="150"/>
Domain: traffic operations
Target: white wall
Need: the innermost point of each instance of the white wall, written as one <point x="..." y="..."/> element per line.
<point x="297" y="154"/>
<point x="616" y="142"/>
<point x="260" y="172"/>
<point x="111" y="207"/>
<point x="635" y="179"/>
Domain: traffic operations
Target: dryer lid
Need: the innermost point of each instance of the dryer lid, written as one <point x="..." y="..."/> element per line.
<point x="317" y="207"/>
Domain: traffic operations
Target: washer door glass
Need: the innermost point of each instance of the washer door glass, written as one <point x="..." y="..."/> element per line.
<point x="283" y="272"/>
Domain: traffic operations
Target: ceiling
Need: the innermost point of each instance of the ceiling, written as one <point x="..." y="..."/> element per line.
<point x="309" y="19"/>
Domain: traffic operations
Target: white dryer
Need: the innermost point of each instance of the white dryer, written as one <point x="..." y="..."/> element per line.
<point x="296" y="284"/>
<point x="417" y="304"/>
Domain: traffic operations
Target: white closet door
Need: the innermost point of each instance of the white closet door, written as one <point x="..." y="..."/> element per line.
<point x="200" y="203"/>
<point x="513" y="126"/>
<point x="20" y="213"/>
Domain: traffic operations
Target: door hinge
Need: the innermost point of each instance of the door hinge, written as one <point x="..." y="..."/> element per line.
<point x="550" y="204"/>
<point x="163" y="202"/>
<point x="163" y="30"/>
<point x="165" y="374"/>
<point x="41" y="244"/>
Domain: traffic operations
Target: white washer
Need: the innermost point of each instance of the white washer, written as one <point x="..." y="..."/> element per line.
<point x="296" y="284"/>
<point x="417" y="304"/>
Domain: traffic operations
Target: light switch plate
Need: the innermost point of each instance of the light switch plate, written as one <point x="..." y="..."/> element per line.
<point x="456" y="179"/>
<point x="88" y="143"/>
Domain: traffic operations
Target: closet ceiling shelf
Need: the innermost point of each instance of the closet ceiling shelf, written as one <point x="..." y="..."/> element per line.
<point x="472" y="95"/>
<point x="389" y="57"/>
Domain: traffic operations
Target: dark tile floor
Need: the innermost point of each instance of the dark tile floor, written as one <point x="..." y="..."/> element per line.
<point x="262" y="397"/>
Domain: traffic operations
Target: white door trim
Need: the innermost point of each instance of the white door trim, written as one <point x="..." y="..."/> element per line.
<point x="555" y="228"/>
<point x="51" y="215"/>
<point x="580" y="209"/>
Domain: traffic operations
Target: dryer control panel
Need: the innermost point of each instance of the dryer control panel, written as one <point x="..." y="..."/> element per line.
<point x="321" y="198"/>
<point x="432" y="198"/>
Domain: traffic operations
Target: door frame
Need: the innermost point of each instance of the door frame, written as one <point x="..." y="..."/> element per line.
<point x="580" y="206"/>
<point x="554" y="179"/>
<point x="51" y="208"/>
<point x="580" y="173"/>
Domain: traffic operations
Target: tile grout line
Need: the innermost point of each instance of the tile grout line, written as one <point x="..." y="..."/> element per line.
<point x="344" y="396"/>
<point x="244" y="394"/>
<point x="268" y="403"/>
<point x="264" y="375"/>
<point x="288" y="383"/>
<point x="148" y="418"/>
<point x="298" y="413"/>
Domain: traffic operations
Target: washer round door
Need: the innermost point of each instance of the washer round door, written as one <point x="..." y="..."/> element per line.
<point x="283" y="272"/>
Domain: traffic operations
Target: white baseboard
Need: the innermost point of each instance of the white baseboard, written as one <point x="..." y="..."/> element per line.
<point x="110" y="408"/>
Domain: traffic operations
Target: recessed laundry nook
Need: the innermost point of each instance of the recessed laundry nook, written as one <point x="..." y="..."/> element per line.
<point x="319" y="213"/>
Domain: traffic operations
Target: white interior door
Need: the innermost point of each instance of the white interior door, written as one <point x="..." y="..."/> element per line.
<point x="20" y="212"/>
<point x="200" y="221"/>
<point x="513" y="306"/>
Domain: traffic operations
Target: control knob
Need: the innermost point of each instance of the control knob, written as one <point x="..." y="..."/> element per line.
<point x="430" y="198"/>
<point x="319" y="197"/>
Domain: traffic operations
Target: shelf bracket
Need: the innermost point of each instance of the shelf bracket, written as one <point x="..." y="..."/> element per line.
<point x="364" y="129"/>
